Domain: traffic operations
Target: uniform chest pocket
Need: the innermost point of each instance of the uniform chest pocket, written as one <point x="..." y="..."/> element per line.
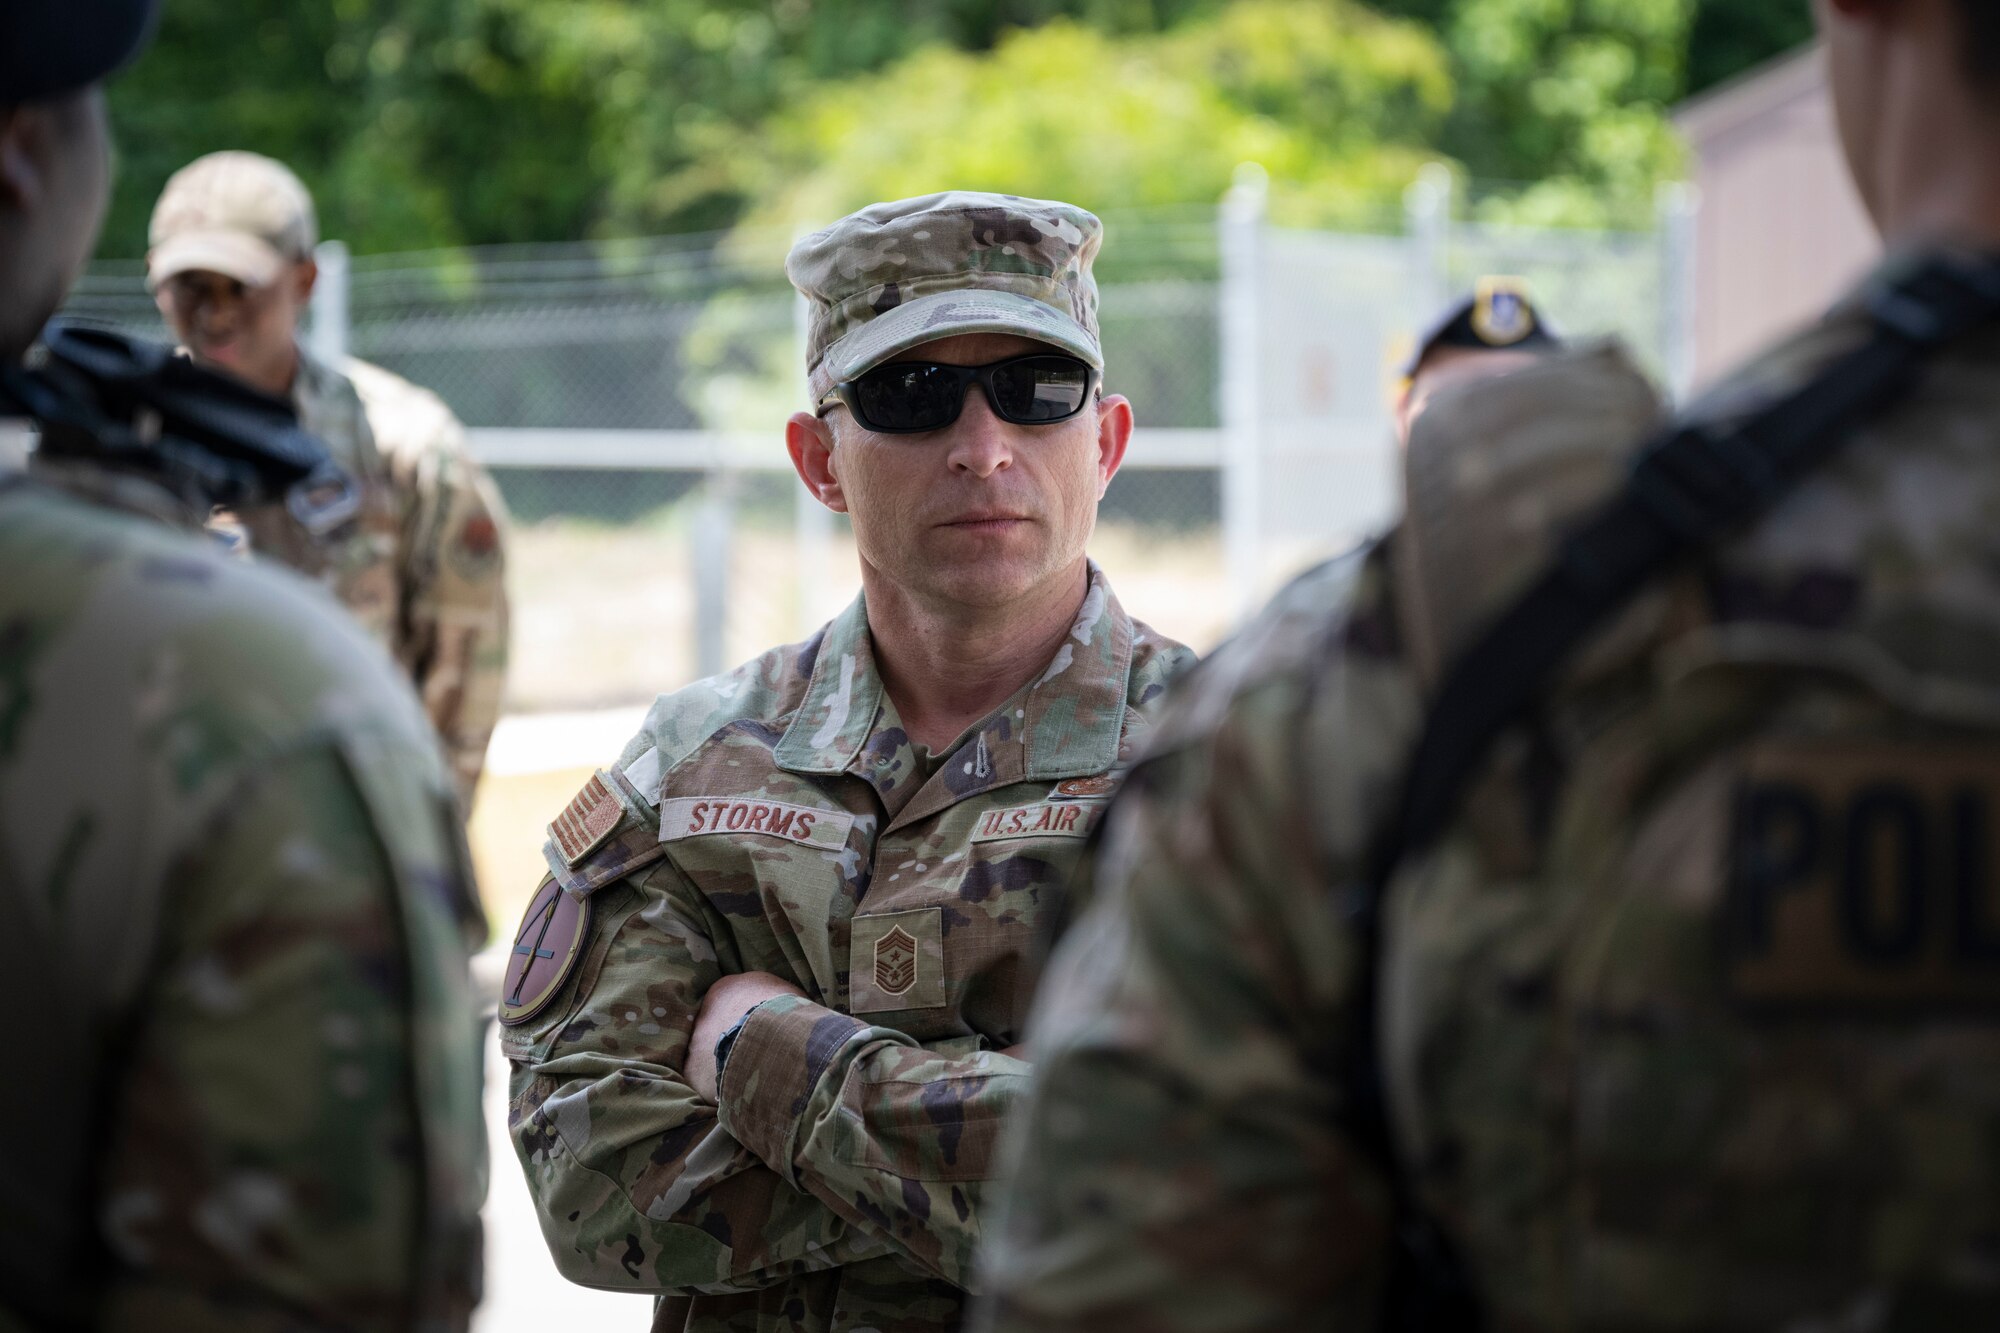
<point x="768" y="869"/>
<point x="1029" y="849"/>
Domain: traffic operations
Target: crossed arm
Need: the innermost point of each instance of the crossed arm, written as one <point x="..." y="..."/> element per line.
<point x="828" y="1142"/>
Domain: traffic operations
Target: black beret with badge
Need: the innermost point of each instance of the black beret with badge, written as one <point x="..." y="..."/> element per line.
<point x="1497" y="316"/>
<point x="51" y="48"/>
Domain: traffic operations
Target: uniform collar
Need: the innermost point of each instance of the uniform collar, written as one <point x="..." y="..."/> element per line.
<point x="1064" y="723"/>
<point x="841" y="700"/>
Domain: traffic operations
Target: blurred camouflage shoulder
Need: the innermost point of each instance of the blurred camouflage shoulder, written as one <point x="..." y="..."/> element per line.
<point x="220" y="809"/>
<point x="419" y="416"/>
<point x="450" y="563"/>
<point x="1277" y="648"/>
<point x="137" y="590"/>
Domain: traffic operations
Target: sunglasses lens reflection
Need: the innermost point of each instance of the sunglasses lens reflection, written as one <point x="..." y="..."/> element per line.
<point x="908" y="397"/>
<point x="1040" y="388"/>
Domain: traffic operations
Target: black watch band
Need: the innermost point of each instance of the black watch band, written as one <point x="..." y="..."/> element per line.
<point x="727" y="1042"/>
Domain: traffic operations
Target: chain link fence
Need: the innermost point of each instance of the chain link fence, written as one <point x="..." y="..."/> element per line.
<point x="630" y="398"/>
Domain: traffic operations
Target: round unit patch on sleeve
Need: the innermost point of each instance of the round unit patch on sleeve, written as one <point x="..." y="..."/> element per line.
<point x="545" y="952"/>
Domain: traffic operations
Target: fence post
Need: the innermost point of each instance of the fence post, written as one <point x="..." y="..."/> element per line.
<point x="1678" y="206"/>
<point x="1242" y="225"/>
<point x="331" y="312"/>
<point x="711" y="539"/>
<point x="812" y="522"/>
<point x="1427" y="218"/>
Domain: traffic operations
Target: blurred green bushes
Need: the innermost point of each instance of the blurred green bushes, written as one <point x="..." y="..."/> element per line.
<point x="427" y="123"/>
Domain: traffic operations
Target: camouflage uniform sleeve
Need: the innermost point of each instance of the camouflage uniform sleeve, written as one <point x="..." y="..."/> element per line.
<point x="1176" y="1165"/>
<point x="453" y="640"/>
<point x="636" y="1184"/>
<point x="885" y="1132"/>
<point x="298" y="1140"/>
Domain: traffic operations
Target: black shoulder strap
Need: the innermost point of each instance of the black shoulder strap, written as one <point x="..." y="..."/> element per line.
<point x="1687" y="491"/>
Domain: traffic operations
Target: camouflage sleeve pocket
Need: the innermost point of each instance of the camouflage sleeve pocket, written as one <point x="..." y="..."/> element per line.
<point x="926" y="1117"/>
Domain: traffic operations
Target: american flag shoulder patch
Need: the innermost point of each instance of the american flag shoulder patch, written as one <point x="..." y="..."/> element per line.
<point x="591" y="817"/>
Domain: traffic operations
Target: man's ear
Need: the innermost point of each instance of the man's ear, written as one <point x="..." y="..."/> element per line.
<point x="809" y="440"/>
<point x="21" y="183"/>
<point x="1114" y="434"/>
<point x="304" y="277"/>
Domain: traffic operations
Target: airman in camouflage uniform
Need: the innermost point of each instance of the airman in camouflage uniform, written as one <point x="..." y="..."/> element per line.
<point x="853" y="875"/>
<point x="451" y="589"/>
<point x="232" y="878"/>
<point x="420" y="562"/>
<point x="1687" y="1019"/>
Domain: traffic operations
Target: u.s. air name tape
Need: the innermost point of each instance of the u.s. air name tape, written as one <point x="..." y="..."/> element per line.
<point x="1045" y="819"/>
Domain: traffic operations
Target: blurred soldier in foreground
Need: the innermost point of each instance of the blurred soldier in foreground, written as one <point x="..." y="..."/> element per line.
<point x="246" y="1087"/>
<point x="421" y="565"/>
<point x="1632" y="959"/>
<point x="1492" y="331"/>
<point x="763" y="1012"/>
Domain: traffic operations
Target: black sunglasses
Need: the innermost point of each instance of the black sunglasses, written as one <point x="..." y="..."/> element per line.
<point x="908" y="397"/>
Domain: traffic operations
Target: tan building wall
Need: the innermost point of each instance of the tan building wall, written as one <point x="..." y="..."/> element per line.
<point x="1779" y="233"/>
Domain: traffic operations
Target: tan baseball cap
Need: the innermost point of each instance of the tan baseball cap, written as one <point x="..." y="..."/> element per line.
<point x="897" y="275"/>
<point x="242" y="215"/>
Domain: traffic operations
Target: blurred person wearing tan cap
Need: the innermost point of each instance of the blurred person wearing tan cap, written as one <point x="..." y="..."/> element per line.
<point x="764" y="1011"/>
<point x="421" y="562"/>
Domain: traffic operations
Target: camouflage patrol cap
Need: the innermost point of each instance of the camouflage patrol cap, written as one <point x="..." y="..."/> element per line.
<point x="50" y="48"/>
<point x="242" y="215"/>
<point x="896" y="275"/>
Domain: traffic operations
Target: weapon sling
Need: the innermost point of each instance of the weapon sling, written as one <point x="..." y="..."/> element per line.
<point x="1689" y="489"/>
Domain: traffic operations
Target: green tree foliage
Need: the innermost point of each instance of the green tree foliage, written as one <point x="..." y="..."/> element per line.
<point x="1732" y="36"/>
<point x="421" y="123"/>
<point x="434" y="122"/>
<point x="1563" y="101"/>
<point x="1335" y="102"/>
<point x="414" y="122"/>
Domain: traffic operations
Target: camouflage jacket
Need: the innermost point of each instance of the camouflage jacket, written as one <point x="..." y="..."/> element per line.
<point x="1688" y="1023"/>
<point x="234" y="888"/>
<point x="451" y="587"/>
<point x="778" y="819"/>
<point x="421" y="565"/>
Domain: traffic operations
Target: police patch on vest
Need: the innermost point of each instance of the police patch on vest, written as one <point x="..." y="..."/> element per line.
<point x="545" y="951"/>
<point x="895" y="960"/>
<point x="1049" y="819"/>
<point x="1862" y="876"/>
<point x="591" y="817"/>
<point x="813" y="826"/>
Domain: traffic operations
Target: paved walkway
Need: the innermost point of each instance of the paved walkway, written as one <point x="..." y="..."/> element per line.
<point x="524" y="1293"/>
